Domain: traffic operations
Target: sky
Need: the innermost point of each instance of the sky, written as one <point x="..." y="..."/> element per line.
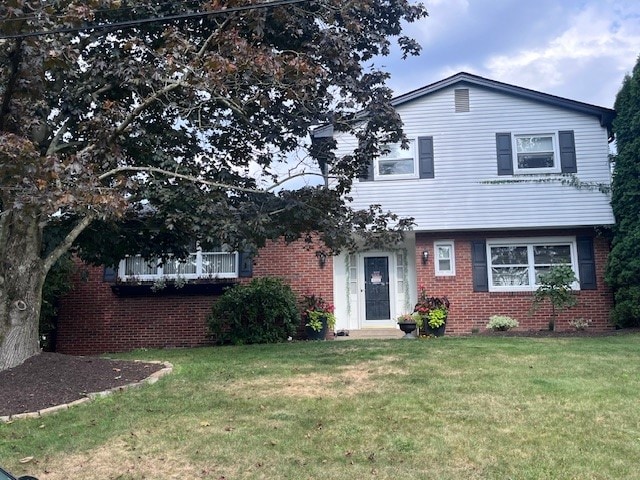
<point x="577" y="49"/>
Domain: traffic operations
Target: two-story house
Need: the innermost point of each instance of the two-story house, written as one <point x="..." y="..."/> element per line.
<point x="503" y="182"/>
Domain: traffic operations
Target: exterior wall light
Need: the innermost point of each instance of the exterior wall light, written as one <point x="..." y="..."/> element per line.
<point x="425" y="257"/>
<point x="322" y="258"/>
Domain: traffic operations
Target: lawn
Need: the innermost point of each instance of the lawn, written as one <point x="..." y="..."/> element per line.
<point x="449" y="408"/>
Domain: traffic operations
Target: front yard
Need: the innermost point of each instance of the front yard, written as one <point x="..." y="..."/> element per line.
<point x="451" y="408"/>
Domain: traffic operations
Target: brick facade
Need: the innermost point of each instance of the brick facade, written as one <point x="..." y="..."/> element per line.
<point x="93" y="319"/>
<point x="470" y="311"/>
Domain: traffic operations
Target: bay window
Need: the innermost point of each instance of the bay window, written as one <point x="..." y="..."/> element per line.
<point x="196" y="265"/>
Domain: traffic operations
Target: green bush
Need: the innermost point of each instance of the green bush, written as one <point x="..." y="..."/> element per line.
<point x="502" y="322"/>
<point x="263" y="311"/>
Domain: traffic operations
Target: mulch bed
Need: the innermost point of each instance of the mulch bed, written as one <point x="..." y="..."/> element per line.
<point x="51" y="379"/>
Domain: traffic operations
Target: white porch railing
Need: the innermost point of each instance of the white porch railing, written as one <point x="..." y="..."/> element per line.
<point x="199" y="265"/>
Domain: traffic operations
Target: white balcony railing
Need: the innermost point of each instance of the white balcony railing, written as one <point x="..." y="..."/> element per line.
<point x="199" y="265"/>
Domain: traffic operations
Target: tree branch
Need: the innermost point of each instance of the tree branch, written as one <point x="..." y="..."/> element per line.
<point x="64" y="246"/>
<point x="168" y="173"/>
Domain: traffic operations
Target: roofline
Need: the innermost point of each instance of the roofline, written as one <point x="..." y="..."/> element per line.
<point x="606" y="115"/>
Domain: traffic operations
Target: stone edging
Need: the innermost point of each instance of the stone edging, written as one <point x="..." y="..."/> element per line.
<point x="151" y="379"/>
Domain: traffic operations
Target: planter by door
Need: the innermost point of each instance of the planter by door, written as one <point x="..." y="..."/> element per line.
<point x="436" y="332"/>
<point x="408" y="328"/>
<point x="319" y="334"/>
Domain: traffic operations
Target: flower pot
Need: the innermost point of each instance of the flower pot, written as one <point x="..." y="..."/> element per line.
<point x="317" y="334"/>
<point x="436" y="332"/>
<point x="408" y="328"/>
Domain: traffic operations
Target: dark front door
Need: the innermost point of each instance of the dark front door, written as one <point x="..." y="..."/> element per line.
<point x="376" y="288"/>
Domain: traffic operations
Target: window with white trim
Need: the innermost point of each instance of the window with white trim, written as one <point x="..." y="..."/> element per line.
<point x="536" y="154"/>
<point x="516" y="264"/>
<point x="197" y="265"/>
<point x="444" y="261"/>
<point x="397" y="162"/>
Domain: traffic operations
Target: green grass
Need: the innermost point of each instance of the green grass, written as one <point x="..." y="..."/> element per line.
<point x="451" y="408"/>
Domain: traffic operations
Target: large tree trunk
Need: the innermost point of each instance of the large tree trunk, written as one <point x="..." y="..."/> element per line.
<point x="22" y="275"/>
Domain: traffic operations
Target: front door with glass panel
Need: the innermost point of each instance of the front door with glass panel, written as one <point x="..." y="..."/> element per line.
<point x="377" y="299"/>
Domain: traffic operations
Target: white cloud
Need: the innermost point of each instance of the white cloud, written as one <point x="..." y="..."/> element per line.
<point x="596" y="38"/>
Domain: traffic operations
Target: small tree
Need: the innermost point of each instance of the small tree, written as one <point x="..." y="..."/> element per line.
<point x="555" y="286"/>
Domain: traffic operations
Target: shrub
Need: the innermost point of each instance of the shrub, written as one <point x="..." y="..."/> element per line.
<point x="263" y="311"/>
<point x="502" y="322"/>
<point x="580" y="323"/>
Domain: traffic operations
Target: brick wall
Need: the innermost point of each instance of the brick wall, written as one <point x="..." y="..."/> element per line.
<point x="471" y="310"/>
<point x="93" y="319"/>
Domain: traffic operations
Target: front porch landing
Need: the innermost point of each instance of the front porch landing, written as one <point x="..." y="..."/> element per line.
<point x="371" y="333"/>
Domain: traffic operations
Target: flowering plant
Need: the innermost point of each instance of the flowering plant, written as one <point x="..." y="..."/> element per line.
<point x="316" y="309"/>
<point x="432" y="310"/>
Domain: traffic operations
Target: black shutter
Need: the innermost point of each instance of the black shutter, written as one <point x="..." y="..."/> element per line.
<point x="366" y="174"/>
<point x="246" y="265"/>
<point x="567" y="152"/>
<point x="425" y="157"/>
<point x="479" y="262"/>
<point x="109" y="275"/>
<point x="505" y="155"/>
<point x="586" y="263"/>
<point x="321" y="151"/>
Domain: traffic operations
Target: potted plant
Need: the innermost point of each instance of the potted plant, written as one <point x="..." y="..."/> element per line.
<point x="409" y="323"/>
<point x="433" y="312"/>
<point x="318" y="317"/>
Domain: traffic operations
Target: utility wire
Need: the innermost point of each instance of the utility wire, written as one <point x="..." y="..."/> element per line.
<point x="144" y="21"/>
<point x="164" y="3"/>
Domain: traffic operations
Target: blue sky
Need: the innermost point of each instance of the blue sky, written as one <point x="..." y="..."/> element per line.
<point x="578" y="49"/>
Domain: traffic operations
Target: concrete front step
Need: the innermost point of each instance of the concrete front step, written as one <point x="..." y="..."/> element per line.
<point x="370" y="333"/>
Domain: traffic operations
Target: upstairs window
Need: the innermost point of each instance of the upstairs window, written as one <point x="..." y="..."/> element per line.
<point x="398" y="162"/>
<point x="535" y="154"/>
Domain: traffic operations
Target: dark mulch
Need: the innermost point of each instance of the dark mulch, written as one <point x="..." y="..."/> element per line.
<point x="50" y="379"/>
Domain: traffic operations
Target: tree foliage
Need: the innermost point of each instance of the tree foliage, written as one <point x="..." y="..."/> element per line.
<point x="623" y="269"/>
<point x="148" y="136"/>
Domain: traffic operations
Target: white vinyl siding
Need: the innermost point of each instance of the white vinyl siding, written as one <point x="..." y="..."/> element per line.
<point x="467" y="192"/>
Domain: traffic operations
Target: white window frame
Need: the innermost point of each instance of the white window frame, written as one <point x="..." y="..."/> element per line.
<point x="534" y="171"/>
<point x="198" y="259"/>
<point x="376" y="169"/>
<point x="530" y="242"/>
<point x="450" y="244"/>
